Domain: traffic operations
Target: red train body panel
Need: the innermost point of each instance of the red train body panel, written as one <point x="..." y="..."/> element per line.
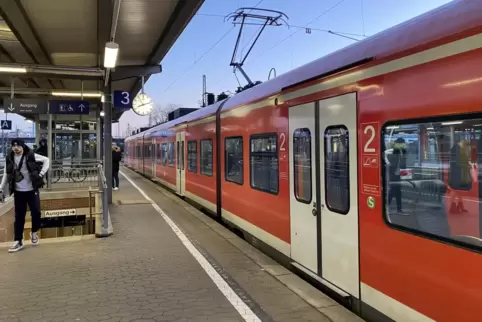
<point x="284" y="172"/>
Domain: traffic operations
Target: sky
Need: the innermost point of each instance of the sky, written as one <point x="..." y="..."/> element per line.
<point x="207" y="43"/>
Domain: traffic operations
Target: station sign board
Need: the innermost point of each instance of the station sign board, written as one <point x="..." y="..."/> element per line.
<point x="69" y="107"/>
<point x="60" y="213"/>
<point x="25" y="105"/>
<point x="5" y="125"/>
<point x="122" y="99"/>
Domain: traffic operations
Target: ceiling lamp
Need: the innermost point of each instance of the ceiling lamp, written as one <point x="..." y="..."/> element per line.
<point x="110" y="54"/>
<point x="76" y="94"/>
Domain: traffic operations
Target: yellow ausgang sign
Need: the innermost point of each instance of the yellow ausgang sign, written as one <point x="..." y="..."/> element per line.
<point x="60" y="213"/>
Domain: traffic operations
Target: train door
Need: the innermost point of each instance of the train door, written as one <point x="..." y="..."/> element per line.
<point x="304" y="236"/>
<point x="180" y="164"/>
<point x="338" y="192"/>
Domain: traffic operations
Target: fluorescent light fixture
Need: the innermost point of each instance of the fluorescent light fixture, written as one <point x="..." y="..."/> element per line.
<point x="6" y="69"/>
<point x="110" y="54"/>
<point x="76" y="94"/>
<point x="452" y="123"/>
<point x="429" y="128"/>
<point x="28" y="121"/>
<point x="393" y="127"/>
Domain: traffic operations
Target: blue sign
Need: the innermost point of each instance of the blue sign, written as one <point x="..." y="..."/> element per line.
<point x="122" y="99"/>
<point x="69" y="107"/>
<point x="5" y="125"/>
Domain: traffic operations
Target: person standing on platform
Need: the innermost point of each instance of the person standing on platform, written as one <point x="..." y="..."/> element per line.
<point x="116" y="158"/>
<point x="24" y="178"/>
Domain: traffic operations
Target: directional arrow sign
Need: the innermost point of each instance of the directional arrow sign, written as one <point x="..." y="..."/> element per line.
<point x="25" y="106"/>
<point x="5" y="125"/>
<point x="69" y="107"/>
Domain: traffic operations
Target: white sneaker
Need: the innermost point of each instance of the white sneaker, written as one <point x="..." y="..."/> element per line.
<point x="34" y="238"/>
<point x="16" y="247"/>
<point x="116" y="188"/>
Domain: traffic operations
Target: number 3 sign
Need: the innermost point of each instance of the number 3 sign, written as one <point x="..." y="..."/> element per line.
<point x="122" y="99"/>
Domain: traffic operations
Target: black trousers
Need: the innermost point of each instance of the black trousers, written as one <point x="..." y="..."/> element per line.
<point x="395" y="191"/>
<point x="21" y="200"/>
<point x="115" y="179"/>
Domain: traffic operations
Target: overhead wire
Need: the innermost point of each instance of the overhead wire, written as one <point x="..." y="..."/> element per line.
<point x="199" y="59"/>
<point x="305" y="26"/>
<point x="208" y="51"/>
<point x="292" y="34"/>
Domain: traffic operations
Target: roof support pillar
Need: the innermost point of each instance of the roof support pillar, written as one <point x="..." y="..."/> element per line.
<point x="107" y="107"/>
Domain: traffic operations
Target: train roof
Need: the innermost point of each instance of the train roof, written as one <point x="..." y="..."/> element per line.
<point x="442" y="24"/>
<point x="196" y="115"/>
<point x="454" y="20"/>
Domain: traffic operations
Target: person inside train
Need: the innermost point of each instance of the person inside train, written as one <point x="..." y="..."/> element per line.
<point x="460" y="177"/>
<point x="395" y="159"/>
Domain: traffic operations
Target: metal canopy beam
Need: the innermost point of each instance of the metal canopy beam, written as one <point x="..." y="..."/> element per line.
<point x="58" y="71"/>
<point x="180" y="17"/>
<point x="14" y="15"/>
<point x="123" y="72"/>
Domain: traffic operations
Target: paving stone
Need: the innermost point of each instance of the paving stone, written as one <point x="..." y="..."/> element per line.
<point x="141" y="273"/>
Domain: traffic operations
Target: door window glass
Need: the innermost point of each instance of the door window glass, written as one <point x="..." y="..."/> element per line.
<point x="302" y="164"/>
<point x="337" y="169"/>
<point x="182" y="155"/>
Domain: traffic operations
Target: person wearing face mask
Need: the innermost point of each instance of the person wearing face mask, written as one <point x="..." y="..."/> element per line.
<point x="24" y="178"/>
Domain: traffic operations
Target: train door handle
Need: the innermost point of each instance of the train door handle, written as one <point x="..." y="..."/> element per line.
<point x="314" y="212"/>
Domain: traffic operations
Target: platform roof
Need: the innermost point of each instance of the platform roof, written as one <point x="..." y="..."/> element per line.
<point x="73" y="33"/>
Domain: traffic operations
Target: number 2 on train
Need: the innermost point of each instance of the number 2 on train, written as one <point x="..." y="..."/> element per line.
<point x="282" y="138"/>
<point x="370" y="131"/>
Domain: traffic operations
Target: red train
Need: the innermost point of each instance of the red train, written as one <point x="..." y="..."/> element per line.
<point x="307" y="166"/>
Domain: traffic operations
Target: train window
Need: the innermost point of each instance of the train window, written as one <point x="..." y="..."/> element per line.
<point x="153" y="152"/>
<point x="431" y="179"/>
<point x="302" y="164"/>
<point x="337" y="169"/>
<point x="170" y="154"/>
<point x="164" y="154"/>
<point x="182" y="155"/>
<point x="207" y="157"/>
<point x="233" y="159"/>
<point x="264" y="162"/>
<point x="159" y="153"/>
<point x="192" y="156"/>
<point x="178" y="154"/>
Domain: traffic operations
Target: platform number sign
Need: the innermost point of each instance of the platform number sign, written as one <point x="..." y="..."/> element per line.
<point x="122" y="99"/>
<point x="6" y="124"/>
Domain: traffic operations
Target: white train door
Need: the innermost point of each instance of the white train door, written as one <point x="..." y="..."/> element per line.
<point x="303" y="219"/>
<point x="180" y="164"/>
<point x="338" y="187"/>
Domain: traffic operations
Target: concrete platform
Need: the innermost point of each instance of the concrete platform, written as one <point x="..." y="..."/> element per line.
<point x="165" y="262"/>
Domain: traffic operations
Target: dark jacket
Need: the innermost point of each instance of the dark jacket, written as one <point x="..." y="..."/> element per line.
<point x="116" y="158"/>
<point x="32" y="167"/>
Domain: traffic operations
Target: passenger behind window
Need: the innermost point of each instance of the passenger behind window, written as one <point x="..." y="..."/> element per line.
<point x="460" y="176"/>
<point x="395" y="159"/>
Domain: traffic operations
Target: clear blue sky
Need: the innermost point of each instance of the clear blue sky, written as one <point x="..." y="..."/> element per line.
<point x="181" y="79"/>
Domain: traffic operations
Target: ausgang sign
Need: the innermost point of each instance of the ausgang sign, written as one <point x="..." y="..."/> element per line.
<point x="60" y="213"/>
<point x="25" y="105"/>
